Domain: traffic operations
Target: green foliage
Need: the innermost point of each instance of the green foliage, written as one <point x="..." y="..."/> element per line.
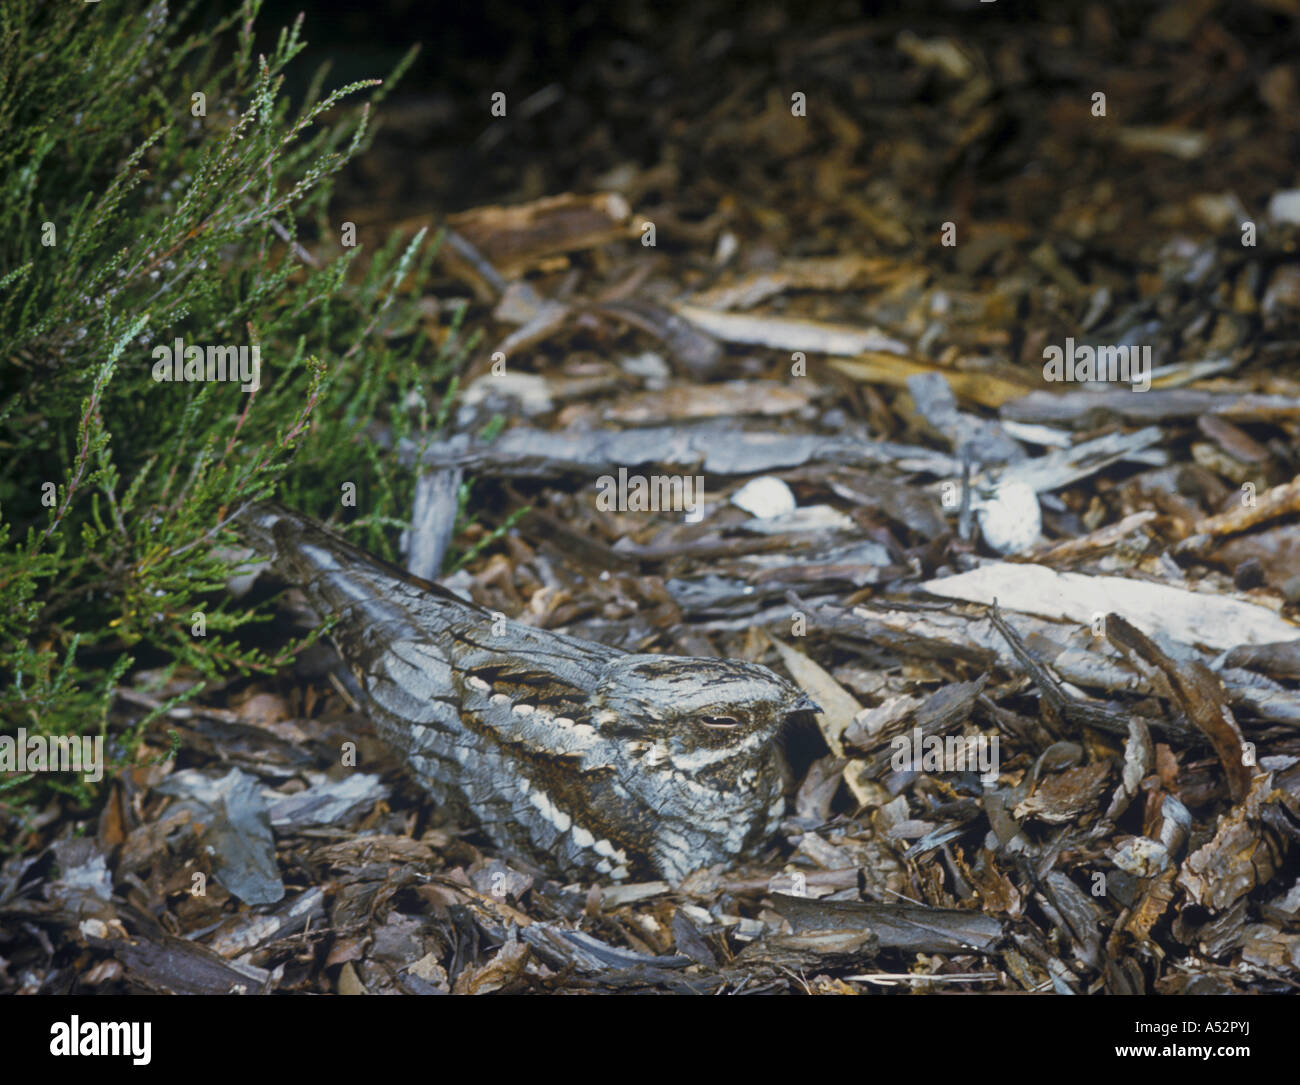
<point x="114" y="487"/>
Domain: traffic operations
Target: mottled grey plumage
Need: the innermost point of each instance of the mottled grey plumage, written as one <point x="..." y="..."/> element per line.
<point x="580" y="756"/>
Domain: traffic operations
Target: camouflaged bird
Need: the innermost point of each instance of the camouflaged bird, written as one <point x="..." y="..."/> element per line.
<point x="582" y="757"/>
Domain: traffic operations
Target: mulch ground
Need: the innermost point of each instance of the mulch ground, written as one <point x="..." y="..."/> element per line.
<point x="832" y="258"/>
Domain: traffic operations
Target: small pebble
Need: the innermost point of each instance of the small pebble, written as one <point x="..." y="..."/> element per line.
<point x="765" y="498"/>
<point x="1011" y="520"/>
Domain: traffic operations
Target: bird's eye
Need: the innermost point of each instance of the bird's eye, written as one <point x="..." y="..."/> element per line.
<point x="720" y="723"/>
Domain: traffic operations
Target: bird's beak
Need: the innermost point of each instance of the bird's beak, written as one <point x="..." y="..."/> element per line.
<point x="805" y="704"/>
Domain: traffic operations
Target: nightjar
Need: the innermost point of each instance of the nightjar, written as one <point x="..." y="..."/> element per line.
<point x="581" y="757"/>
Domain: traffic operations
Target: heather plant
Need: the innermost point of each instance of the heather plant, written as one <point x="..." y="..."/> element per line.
<point x="159" y="185"/>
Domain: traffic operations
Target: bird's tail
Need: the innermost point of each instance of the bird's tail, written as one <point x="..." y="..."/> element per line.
<point x="338" y="578"/>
